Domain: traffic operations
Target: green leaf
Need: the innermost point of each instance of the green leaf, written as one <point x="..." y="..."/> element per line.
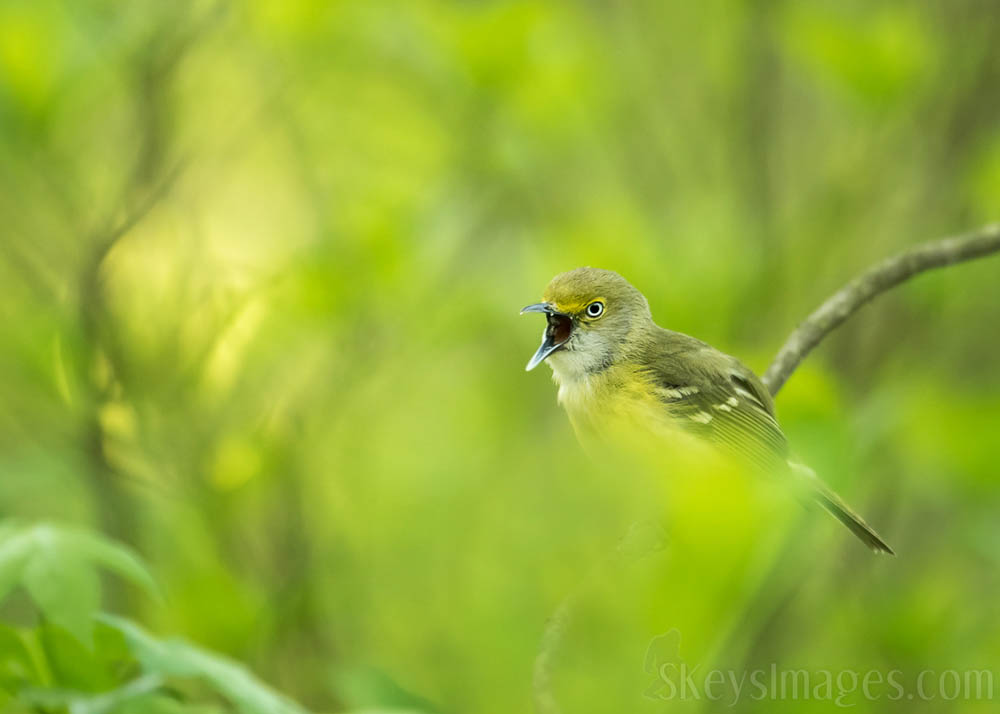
<point x="15" y="549"/>
<point x="161" y="704"/>
<point x="176" y="658"/>
<point x="85" y="703"/>
<point x="19" y="543"/>
<point x="371" y="689"/>
<point x="113" y="556"/>
<point x="57" y="566"/>
<point x="75" y="666"/>
<point x="17" y="667"/>
<point x="66" y="589"/>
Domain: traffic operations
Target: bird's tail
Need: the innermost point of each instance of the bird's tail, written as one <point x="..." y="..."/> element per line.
<point x="825" y="496"/>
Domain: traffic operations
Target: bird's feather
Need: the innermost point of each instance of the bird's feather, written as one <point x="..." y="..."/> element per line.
<point x="724" y="402"/>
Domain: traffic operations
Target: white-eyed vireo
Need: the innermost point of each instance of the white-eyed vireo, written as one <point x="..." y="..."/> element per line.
<point x="610" y="359"/>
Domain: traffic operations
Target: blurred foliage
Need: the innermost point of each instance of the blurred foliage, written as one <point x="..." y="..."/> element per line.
<point x="61" y="665"/>
<point x="261" y="265"/>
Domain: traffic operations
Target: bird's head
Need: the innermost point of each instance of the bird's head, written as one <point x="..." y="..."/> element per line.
<point x="591" y="316"/>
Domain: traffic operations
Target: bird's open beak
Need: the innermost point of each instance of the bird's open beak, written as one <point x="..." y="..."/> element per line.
<point x="557" y="332"/>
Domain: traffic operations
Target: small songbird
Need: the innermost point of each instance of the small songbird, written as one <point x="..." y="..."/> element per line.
<point x="611" y="360"/>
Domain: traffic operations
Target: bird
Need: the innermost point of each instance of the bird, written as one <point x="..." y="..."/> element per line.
<point x="614" y="365"/>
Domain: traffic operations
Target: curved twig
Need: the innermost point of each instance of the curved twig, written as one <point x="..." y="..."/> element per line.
<point x="552" y="635"/>
<point x="873" y="282"/>
<point x="643" y="538"/>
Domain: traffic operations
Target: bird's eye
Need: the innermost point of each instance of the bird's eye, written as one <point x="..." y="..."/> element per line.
<point x="595" y="309"/>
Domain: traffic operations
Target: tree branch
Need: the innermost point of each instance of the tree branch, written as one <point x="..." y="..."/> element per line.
<point x="873" y="282"/>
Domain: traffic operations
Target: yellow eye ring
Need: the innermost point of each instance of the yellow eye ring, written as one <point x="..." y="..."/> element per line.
<point x="594" y="310"/>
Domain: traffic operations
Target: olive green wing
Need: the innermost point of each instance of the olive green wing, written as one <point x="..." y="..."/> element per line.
<point x="716" y="397"/>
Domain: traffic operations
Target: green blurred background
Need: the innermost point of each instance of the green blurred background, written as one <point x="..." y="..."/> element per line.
<point x="261" y="265"/>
